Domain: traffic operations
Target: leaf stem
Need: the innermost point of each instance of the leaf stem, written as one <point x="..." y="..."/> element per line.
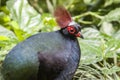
<point x="88" y="13"/>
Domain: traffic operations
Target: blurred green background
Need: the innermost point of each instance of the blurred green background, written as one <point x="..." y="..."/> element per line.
<point x="100" y="21"/>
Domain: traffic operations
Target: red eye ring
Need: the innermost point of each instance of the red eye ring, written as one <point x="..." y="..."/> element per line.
<point x="71" y="29"/>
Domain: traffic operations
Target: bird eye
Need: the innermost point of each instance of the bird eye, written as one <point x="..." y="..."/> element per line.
<point x="71" y="29"/>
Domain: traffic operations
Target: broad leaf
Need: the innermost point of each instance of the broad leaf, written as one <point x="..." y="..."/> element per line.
<point x="113" y="15"/>
<point x="26" y="17"/>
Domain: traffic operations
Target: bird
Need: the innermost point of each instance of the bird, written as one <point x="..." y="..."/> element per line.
<point x="46" y="55"/>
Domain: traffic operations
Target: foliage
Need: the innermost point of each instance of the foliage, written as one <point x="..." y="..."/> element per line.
<point x="100" y="21"/>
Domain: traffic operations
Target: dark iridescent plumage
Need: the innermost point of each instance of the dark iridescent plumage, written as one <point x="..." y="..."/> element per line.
<point x="44" y="56"/>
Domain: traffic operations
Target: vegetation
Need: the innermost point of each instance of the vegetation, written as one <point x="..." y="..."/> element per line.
<point x="100" y="21"/>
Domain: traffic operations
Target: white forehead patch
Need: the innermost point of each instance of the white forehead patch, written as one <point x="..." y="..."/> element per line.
<point x="72" y="23"/>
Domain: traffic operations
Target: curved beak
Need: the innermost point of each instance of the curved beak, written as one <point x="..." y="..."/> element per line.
<point x="79" y="35"/>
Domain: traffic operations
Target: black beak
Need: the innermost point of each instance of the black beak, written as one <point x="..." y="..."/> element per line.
<point x="79" y="35"/>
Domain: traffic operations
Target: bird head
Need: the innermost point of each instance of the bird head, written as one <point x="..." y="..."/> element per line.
<point x="67" y="25"/>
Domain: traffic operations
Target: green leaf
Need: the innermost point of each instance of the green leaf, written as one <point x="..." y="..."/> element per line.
<point x="111" y="71"/>
<point x="91" y="33"/>
<point x="116" y="1"/>
<point x="49" y="24"/>
<point x="107" y="28"/>
<point x="4" y="18"/>
<point x="6" y="32"/>
<point x="108" y="2"/>
<point x="2" y="38"/>
<point x="25" y="16"/>
<point x="117" y="34"/>
<point x="90" y="46"/>
<point x="95" y="46"/>
<point x="50" y="6"/>
<point x="113" y="15"/>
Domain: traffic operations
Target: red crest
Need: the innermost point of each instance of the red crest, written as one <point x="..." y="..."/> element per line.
<point x="63" y="17"/>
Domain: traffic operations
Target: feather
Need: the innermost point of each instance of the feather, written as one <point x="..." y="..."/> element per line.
<point x="63" y="17"/>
